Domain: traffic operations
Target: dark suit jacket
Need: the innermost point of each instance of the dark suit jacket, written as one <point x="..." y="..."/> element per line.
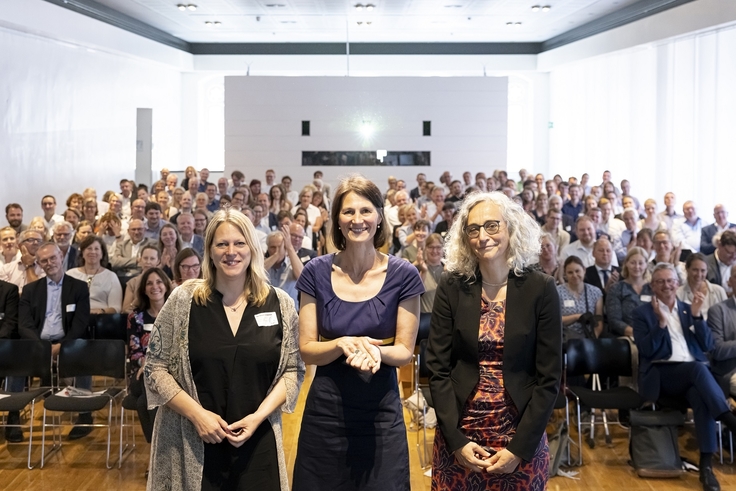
<point x="722" y="323"/>
<point x="71" y="260"/>
<point x="654" y="343"/>
<point x="593" y="278"/>
<point x="706" y="238"/>
<point x="714" y="271"/>
<point x="532" y="354"/>
<point x="32" y="308"/>
<point x="9" y="299"/>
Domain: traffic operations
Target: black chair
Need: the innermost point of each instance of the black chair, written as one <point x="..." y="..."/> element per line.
<point x="83" y="357"/>
<point x="109" y="326"/>
<point x="425" y="401"/>
<point x="600" y="358"/>
<point x="24" y="358"/>
<point x="422" y="334"/>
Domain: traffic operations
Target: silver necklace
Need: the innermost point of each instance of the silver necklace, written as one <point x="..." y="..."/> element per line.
<point x="494" y="284"/>
<point x="234" y="309"/>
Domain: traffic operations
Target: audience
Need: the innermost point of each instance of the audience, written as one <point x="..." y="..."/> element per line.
<point x="148" y="257"/>
<point x="24" y="269"/>
<point x="722" y="322"/>
<point x="626" y="296"/>
<point x="709" y="232"/>
<point x="187" y="266"/>
<point x="169" y="243"/>
<point x="720" y="262"/>
<point x="696" y="268"/>
<point x="581" y="304"/>
<point x="105" y="292"/>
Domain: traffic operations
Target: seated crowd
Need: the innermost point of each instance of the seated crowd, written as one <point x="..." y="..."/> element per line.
<point x="623" y="268"/>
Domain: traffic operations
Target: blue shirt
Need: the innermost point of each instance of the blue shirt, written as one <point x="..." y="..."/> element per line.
<point x="283" y="277"/>
<point x="53" y="328"/>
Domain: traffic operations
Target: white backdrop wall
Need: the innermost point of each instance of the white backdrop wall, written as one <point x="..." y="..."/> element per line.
<point x="661" y="115"/>
<point x="68" y="118"/>
<point x="263" y="123"/>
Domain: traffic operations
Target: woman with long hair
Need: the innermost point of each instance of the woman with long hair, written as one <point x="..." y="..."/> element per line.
<point x="278" y="199"/>
<point x="494" y="353"/>
<point x="105" y="292"/>
<point x="212" y="338"/>
<point x="189" y="173"/>
<point x="169" y="243"/>
<point x="625" y="296"/>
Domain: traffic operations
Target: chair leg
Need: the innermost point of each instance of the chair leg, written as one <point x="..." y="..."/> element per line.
<point x="109" y="429"/>
<point x="30" y="432"/>
<point x="609" y="442"/>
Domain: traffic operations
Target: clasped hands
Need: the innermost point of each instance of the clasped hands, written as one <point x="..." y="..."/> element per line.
<point x="362" y="353"/>
<point x="213" y="429"/>
<point x="478" y="459"/>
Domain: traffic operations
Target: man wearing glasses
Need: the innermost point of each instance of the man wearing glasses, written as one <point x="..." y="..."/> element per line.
<point x="24" y="270"/>
<point x="63" y="233"/>
<point x="673" y="340"/>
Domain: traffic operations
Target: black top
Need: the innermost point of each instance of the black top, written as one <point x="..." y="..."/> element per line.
<point x="233" y="373"/>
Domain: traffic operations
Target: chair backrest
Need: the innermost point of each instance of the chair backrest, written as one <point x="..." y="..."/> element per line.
<point x="424" y="320"/>
<point x="605" y="356"/>
<point x="104" y="357"/>
<point x="25" y="358"/>
<point x="110" y="326"/>
<point x="423" y="370"/>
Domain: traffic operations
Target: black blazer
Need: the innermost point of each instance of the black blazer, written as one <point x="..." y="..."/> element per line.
<point x="593" y="278"/>
<point x="9" y="299"/>
<point x="532" y="358"/>
<point x="32" y="308"/>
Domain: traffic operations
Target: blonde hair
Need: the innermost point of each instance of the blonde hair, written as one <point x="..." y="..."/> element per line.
<point x="256" y="281"/>
<point x="524" y="236"/>
<point x="635" y="251"/>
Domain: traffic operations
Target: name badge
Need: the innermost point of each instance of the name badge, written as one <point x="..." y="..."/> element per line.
<point x="266" y="319"/>
<point x="569" y="303"/>
<point x="148" y="327"/>
<point x="72" y="307"/>
<point x="568" y="228"/>
<point x="646" y="298"/>
<point x="305" y="259"/>
<point x="2" y="315"/>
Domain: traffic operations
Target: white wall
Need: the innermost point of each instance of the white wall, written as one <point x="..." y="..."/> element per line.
<point x="68" y="118"/>
<point x="661" y="115"/>
<point x="263" y="123"/>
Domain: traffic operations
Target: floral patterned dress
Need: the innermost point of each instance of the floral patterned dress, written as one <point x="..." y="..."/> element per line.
<point x="489" y="419"/>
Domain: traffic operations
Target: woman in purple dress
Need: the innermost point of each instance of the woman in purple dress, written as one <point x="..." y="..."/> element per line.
<point x="358" y="322"/>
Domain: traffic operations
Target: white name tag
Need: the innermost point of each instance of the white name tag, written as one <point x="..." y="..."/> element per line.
<point x="305" y="259"/>
<point x="72" y="307"/>
<point x="646" y="298"/>
<point x="266" y="319"/>
<point x="569" y="303"/>
<point x="148" y="327"/>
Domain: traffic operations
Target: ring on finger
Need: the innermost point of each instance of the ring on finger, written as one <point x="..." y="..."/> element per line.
<point x="356" y="352"/>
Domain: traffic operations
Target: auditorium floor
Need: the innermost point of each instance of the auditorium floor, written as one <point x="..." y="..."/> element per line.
<point x="81" y="465"/>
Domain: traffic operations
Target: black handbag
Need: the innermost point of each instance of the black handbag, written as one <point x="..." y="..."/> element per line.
<point x="653" y="445"/>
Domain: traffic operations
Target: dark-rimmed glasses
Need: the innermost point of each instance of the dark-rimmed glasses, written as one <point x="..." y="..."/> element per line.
<point x="491" y="227"/>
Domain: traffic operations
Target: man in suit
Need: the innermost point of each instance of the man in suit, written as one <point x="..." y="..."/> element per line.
<point x="415" y="193"/>
<point x="720" y="262"/>
<point x="63" y="234"/>
<point x="296" y="235"/>
<point x="9" y="299"/>
<point x="56" y="308"/>
<point x="722" y="323"/>
<point x="708" y="232"/>
<point x="673" y="340"/>
<point x="602" y="273"/>
<point x="124" y="259"/>
<point x="185" y="225"/>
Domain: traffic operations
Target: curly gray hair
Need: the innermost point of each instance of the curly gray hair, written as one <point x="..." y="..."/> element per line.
<point x="524" y="236"/>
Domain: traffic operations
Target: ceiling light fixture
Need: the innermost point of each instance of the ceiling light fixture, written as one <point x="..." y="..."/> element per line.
<point x="208" y="23"/>
<point x="192" y="7"/>
<point x="360" y="23"/>
<point x="181" y="7"/>
<point x="518" y="24"/>
<point x="453" y="6"/>
<point x="536" y="8"/>
<point x="546" y="8"/>
<point x="370" y="7"/>
<point x="218" y="24"/>
<point x="275" y="5"/>
<point x="358" y="6"/>
<point x="509" y="24"/>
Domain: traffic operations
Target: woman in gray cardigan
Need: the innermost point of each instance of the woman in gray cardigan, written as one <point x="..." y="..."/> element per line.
<point x="223" y="359"/>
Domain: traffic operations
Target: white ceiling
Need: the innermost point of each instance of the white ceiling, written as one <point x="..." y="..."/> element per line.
<point x="258" y="21"/>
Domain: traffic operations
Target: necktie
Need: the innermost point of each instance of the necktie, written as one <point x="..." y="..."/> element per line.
<point x="605" y="276"/>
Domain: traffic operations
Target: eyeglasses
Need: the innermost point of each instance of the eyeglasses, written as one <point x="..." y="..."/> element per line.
<point x="491" y="227"/>
<point x="668" y="281"/>
<point x="193" y="267"/>
<point x="32" y="241"/>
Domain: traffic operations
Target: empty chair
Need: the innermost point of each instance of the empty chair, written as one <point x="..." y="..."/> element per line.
<point x="109" y="326"/>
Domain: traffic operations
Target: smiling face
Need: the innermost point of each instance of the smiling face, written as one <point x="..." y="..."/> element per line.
<point x="155" y="288"/>
<point x="92" y="254"/>
<point x="148" y="259"/>
<point x="697" y="272"/>
<point x="664" y="285"/>
<point x="8" y="242"/>
<point x="230" y="253"/>
<point x="358" y="219"/>
<point x="491" y="249"/>
<point x="189" y="268"/>
<point x="168" y="237"/>
<point x="636" y="266"/>
<point x="549" y="249"/>
<point x="574" y="274"/>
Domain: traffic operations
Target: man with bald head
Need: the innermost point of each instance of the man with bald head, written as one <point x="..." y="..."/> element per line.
<point x="709" y="232"/>
<point x="401" y="198"/>
<point x="185" y="225"/>
<point x="687" y="230"/>
<point x="25" y="269"/>
<point x="296" y="232"/>
<point x="282" y="264"/>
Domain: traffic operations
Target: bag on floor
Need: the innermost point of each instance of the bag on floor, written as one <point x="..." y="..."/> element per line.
<point x="415" y="403"/>
<point x="558" y="448"/>
<point x="653" y="445"/>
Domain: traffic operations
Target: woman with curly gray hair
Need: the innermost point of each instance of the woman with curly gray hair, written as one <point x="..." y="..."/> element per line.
<point x="495" y="351"/>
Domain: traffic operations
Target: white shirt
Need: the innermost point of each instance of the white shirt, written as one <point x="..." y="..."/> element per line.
<point x="15" y="273"/>
<point x="293" y="197"/>
<point x="600" y="273"/>
<point x="578" y="249"/>
<point x="687" y="235"/>
<point x="54" y="220"/>
<point x="725" y="274"/>
<point x="14" y="258"/>
<point x="680" y="351"/>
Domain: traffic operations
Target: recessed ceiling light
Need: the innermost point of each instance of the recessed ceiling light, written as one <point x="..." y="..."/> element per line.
<point x="509" y="24"/>
<point x="370" y="7"/>
<point x="218" y="24"/>
<point x="358" y="6"/>
<point x="518" y="24"/>
<point x="369" y="23"/>
<point x="275" y="5"/>
<point x="192" y="7"/>
<point x="360" y="23"/>
<point x="181" y="7"/>
<point x="546" y="8"/>
<point x="454" y="6"/>
<point x="208" y="23"/>
<point x="536" y="8"/>
<point x="288" y="22"/>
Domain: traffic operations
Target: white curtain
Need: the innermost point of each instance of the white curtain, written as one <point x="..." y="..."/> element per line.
<point x="662" y="116"/>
